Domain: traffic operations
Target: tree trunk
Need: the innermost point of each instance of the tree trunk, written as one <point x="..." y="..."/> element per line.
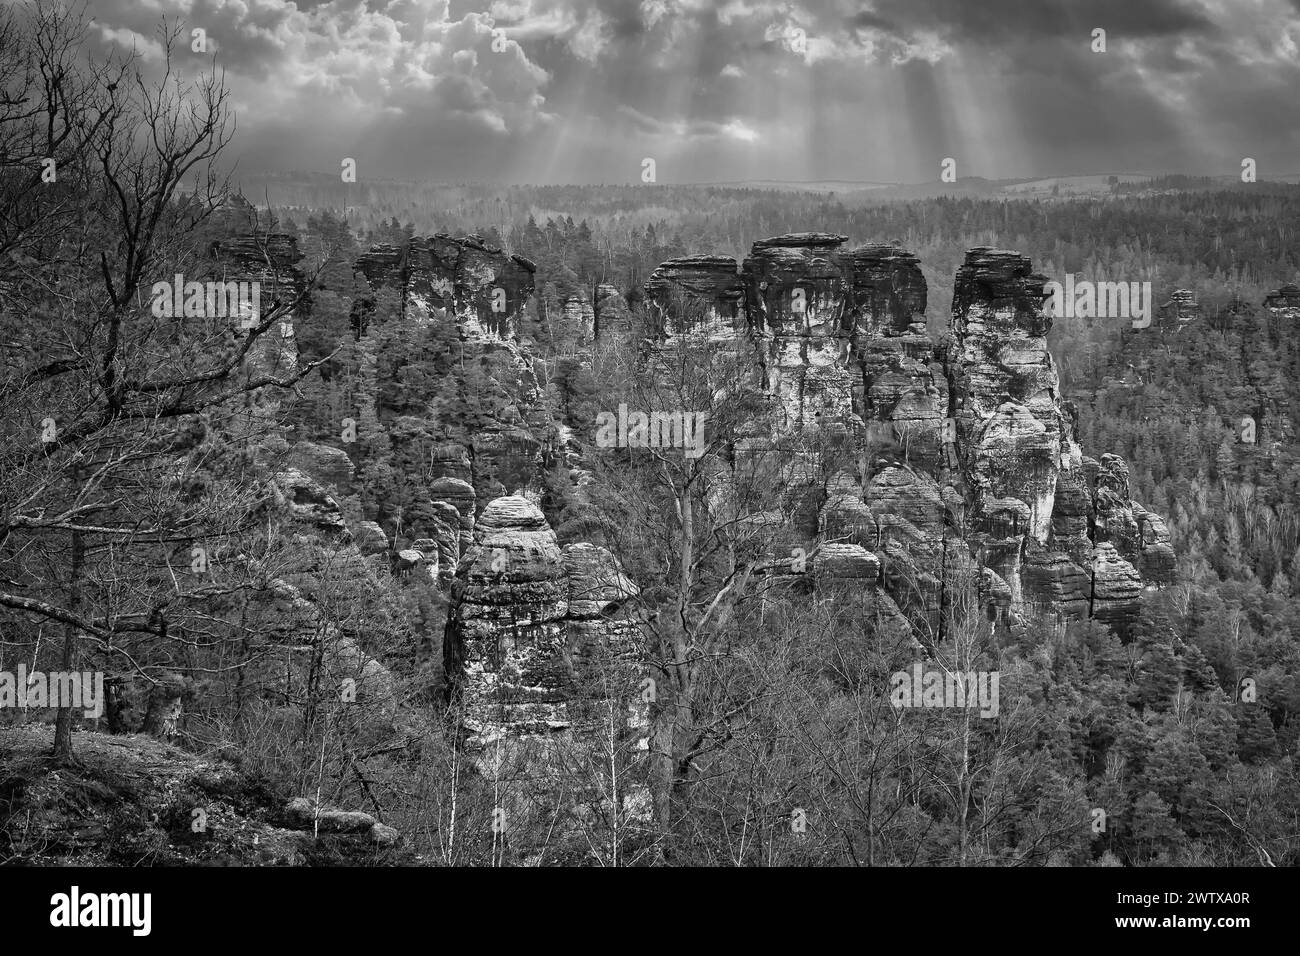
<point x="63" y="725"/>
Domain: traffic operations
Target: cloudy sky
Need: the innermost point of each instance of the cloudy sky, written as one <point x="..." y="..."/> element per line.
<point x="880" y="90"/>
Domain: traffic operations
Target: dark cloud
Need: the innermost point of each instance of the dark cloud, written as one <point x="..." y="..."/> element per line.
<point x="581" y="90"/>
<point x="1013" y="22"/>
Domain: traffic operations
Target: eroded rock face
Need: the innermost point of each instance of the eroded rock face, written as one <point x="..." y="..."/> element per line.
<point x="699" y="294"/>
<point x="370" y="538"/>
<point x="1284" y="302"/>
<point x="384" y="266"/>
<point x="903" y="382"/>
<point x="797" y="312"/>
<point x="269" y="260"/>
<point x="848" y="561"/>
<point x="481" y="291"/>
<point x="478" y="284"/>
<point x="579" y="314"/>
<point x="528" y="621"/>
<point x="962" y="446"/>
<point x="612" y="317"/>
<point x="1182" y="307"/>
<point x="325" y="463"/>
<point x="307" y="501"/>
<point x="454" y="504"/>
<point x="1009" y="422"/>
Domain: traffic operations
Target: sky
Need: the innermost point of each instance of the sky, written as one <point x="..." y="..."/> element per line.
<point x="583" y="91"/>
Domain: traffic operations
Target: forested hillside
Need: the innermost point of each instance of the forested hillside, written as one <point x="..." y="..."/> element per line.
<point x="368" y="545"/>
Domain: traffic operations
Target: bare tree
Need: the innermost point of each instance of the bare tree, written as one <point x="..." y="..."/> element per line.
<point x="114" y="409"/>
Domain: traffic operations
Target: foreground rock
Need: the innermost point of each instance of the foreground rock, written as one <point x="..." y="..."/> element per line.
<point x="136" y="801"/>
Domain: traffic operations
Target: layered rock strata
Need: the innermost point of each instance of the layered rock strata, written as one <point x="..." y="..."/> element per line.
<point x="527" y="621"/>
<point x="268" y="260"/>
<point x="959" y="454"/>
<point x="1181" y="307"/>
<point x="484" y="288"/>
<point x="1284" y="303"/>
<point x="482" y="292"/>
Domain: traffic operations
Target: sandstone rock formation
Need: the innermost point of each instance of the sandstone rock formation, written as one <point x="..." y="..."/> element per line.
<point x="481" y="292"/>
<point x="370" y="538"/>
<point x="269" y="259"/>
<point x="1181" y="307"/>
<point x="611" y="316"/>
<point x="579" y="314"/>
<point x="306" y="500"/>
<point x="528" y="623"/>
<point x="541" y="664"/>
<point x="325" y="463"/>
<point x="1284" y="302"/>
<point x="483" y="288"/>
<point x="965" y="451"/>
<point x="699" y="294"/>
<point x="307" y="815"/>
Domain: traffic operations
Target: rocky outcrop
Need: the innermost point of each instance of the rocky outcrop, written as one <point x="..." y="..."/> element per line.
<point x="481" y="287"/>
<point x="1181" y="307"/>
<point x="1012" y="437"/>
<point x="480" y="291"/>
<point x="527" y="624"/>
<point x="268" y="259"/>
<point x="579" y="314"/>
<point x="838" y="560"/>
<point x="306" y="501"/>
<point x="485" y="288"/>
<point x="797" y="313"/>
<point x="454" y="503"/>
<point x="606" y="318"/>
<point x="701" y="294"/>
<point x="1284" y="302"/>
<point x="966" y="463"/>
<point x="384" y="267"/>
<point x="370" y="538"/>
<point x="325" y="463"/>
<point x="611" y="315"/>
<point x="542" y="665"/>
<point x="133" y="800"/>
<point x="304" y="813"/>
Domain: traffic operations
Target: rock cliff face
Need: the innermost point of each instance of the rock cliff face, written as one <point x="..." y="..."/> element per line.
<point x="527" y="620"/>
<point x="482" y="292"/>
<point x="270" y="260"/>
<point x="579" y="314"/>
<point x="1182" y="307"/>
<point x="611" y="316"/>
<point x="607" y="318"/>
<point x="482" y="288"/>
<point x="535" y="652"/>
<point x="966" y="460"/>
<point x="1284" y="302"/>
<point x="701" y="294"/>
